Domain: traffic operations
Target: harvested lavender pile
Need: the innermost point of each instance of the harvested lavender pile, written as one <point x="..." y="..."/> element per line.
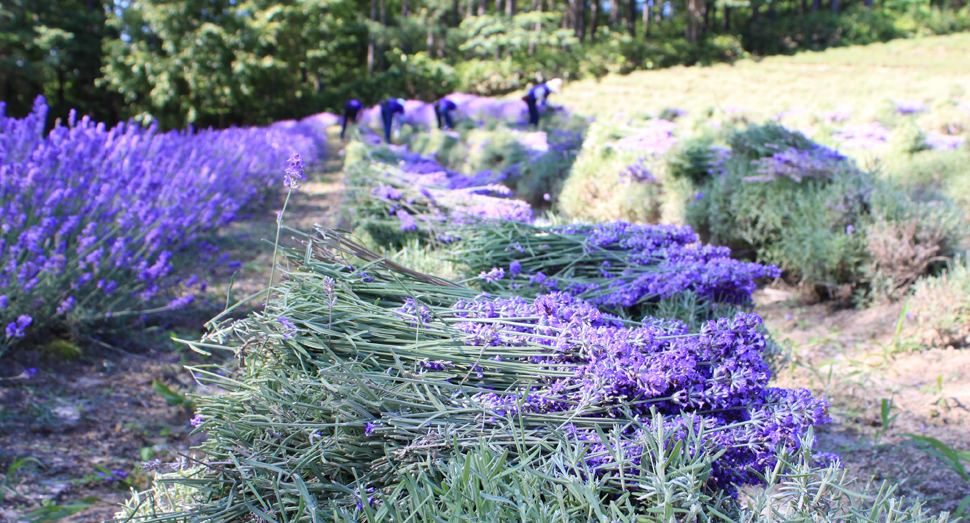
<point x="418" y="198"/>
<point x="619" y="267"/>
<point x="360" y="374"/>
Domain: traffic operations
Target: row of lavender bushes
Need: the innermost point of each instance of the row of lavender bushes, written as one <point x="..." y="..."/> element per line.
<point x="95" y="221"/>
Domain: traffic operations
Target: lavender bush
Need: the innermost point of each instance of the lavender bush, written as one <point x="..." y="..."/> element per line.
<point x="809" y="210"/>
<point x="621" y="175"/>
<point x="94" y="219"/>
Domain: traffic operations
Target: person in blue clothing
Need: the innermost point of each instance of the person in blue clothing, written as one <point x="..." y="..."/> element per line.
<point x="537" y="97"/>
<point x="389" y="109"/>
<point x="443" y="109"/>
<point x="351" y="111"/>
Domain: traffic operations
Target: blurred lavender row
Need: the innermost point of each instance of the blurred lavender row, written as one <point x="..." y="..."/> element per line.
<point x="94" y="219"/>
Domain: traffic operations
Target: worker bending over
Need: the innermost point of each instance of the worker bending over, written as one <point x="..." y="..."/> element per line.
<point x="351" y="112"/>
<point x="537" y="97"/>
<point x="390" y="109"/>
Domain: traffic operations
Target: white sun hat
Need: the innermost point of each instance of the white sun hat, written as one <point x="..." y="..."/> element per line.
<point x="554" y="85"/>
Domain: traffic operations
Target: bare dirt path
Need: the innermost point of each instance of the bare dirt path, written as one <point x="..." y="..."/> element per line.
<point x="859" y="357"/>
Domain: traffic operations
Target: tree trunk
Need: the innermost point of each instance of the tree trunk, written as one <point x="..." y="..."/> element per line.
<point x="755" y="12"/>
<point x="803" y="7"/>
<point x="594" y="19"/>
<point x="380" y="57"/>
<point x="509" y="7"/>
<point x="707" y="18"/>
<point x="726" y="20"/>
<point x="695" y="16"/>
<point x="455" y="13"/>
<point x="816" y="5"/>
<point x="430" y="39"/>
<point x="614" y="14"/>
<point x="469" y="8"/>
<point x="498" y="7"/>
<point x="835" y="7"/>
<point x="868" y="3"/>
<point x="536" y="8"/>
<point x="482" y="7"/>
<point x="646" y="18"/>
<point x="371" y="41"/>
<point x="581" y="19"/>
<point x="404" y="8"/>
<point x="633" y="18"/>
<point x="772" y="14"/>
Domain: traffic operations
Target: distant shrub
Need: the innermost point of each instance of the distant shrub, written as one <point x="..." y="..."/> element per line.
<point x="943" y="172"/>
<point x="620" y="175"/>
<point x="785" y="200"/>
<point x="941" y="305"/>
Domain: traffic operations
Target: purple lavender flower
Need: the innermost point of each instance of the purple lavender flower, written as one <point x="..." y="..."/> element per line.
<point x="492" y="276"/>
<point x="295" y="172"/>
<point x="942" y="142"/>
<point x="515" y="268"/>
<point x="369" y="429"/>
<point x="196" y="420"/>
<point x="840" y="114"/>
<point x="699" y="196"/>
<point x="18" y="329"/>
<point x="407" y="221"/>
<point x="66" y="305"/>
<point x="866" y="136"/>
<point x="849" y="229"/>
<point x="289" y="329"/>
<point x="3" y="302"/>
<point x="387" y="192"/>
<point x="909" y="106"/>
<point x="114" y="475"/>
<point x="181" y="303"/>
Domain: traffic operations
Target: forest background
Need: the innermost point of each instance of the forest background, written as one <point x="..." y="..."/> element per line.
<point x="247" y="62"/>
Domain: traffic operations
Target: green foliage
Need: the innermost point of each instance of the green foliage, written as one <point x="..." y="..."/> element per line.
<point x="53" y="47"/>
<point x="171" y="397"/>
<point x="950" y="458"/>
<point x="54" y="512"/>
<point x="227" y="62"/>
<point x="694" y="159"/>
<point x="759" y="141"/>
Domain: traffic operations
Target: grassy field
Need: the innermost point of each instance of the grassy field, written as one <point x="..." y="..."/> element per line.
<point x="929" y="69"/>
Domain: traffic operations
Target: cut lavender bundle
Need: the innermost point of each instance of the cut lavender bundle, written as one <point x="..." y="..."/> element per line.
<point x="620" y="267"/>
<point x="372" y="380"/>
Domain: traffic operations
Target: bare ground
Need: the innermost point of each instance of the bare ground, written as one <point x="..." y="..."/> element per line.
<point x="857" y="359"/>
